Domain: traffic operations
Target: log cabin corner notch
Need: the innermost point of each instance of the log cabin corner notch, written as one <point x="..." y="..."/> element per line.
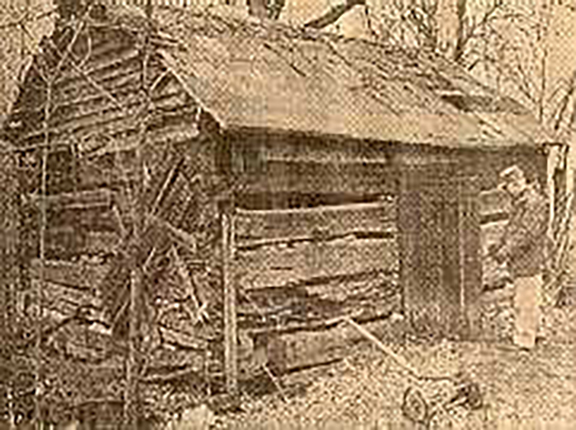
<point x="330" y="149"/>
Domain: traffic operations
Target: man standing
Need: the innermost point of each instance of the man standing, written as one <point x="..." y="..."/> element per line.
<point x="523" y="247"/>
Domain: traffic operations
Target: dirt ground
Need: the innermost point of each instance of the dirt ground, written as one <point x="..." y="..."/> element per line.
<point x="532" y="390"/>
<point x="520" y="390"/>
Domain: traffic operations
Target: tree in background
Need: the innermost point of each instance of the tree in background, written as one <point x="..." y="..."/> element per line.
<point x="23" y="23"/>
<point x="523" y="49"/>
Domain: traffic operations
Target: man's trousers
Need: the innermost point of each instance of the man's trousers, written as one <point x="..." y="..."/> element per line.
<point x="527" y="309"/>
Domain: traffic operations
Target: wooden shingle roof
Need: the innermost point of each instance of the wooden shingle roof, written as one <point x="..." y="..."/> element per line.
<point x="253" y="75"/>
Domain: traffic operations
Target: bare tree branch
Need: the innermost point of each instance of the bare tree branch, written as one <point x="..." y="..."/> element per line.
<point x="333" y="14"/>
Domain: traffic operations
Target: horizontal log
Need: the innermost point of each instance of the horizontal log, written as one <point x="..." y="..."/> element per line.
<point x="307" y="223"/>
<point x="493" y="202"/>
<point x="302" y="349"/>
<point x="100" y="242"/>
<point x="94" y="105"/>
<point x="84" y="352"/>
<point x="80" y="221"/>
<point x="181" y="339"/>
<point x="99" y="118"/>
<point x="78" y="199"/>
<point x="293" y="319"/>
<point x="71" y="293"/>
<point x="275" y="176"/>
<point x="255" y="227"/>
<point x="491" y="233"/>
<point x="109" y="79"/>
<point x="80" y="275"/>
<point x="115" y="83"/>
<point x="103" y="69"/>
<point x="252" y="244"/>
<point x="123" y="84"/>
<point x="194" y="370"/>
<point x="348" y="290"/>
<point x="65" y="308"/>
<point x="343" y="289"/>
<point x="364" y="297"/>
<point x="124" y="87"/>
<point x="125" y="138"/>
<point x="274" y="267"/>
<point x="120" y="82"/>
<point x="102" y="48"/>
<point x="108" y="76"/>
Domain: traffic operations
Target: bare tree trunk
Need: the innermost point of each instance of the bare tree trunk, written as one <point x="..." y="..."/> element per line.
<point x="136" y="277"/>
<point x="42" y="251"/>
<point x="230" y="323"/>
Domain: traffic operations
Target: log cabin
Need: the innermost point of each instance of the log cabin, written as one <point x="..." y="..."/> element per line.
<point x="257" y="181"/>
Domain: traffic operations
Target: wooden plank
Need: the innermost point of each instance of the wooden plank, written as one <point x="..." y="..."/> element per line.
<point x="70" y="292"/>
<point x="276" y="267"/>
<point x="93" y="174"/>
<point x="85" y="114"/>
<point x="469" y="258"/>
<point x="491" y="233"/>
<point x="302" y="223"/>
<point x="230" y="317"/>
<point x="112" y="82"/>
<point x="121" y="86"/>
<point x="10" y="216"/>
<point x="124" y="141"/>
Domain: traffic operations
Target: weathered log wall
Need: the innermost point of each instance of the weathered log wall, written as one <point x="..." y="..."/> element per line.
<point x="96" y="122"/>
<point x="298" y="268"/>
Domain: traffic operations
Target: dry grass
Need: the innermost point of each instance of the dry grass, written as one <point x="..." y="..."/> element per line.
<point x="365" y="390"/>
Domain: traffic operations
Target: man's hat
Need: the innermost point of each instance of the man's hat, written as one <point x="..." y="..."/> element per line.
<point x="509" y="175"/>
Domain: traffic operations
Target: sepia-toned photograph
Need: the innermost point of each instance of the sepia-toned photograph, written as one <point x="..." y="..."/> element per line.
<point x="287" y="214"/>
